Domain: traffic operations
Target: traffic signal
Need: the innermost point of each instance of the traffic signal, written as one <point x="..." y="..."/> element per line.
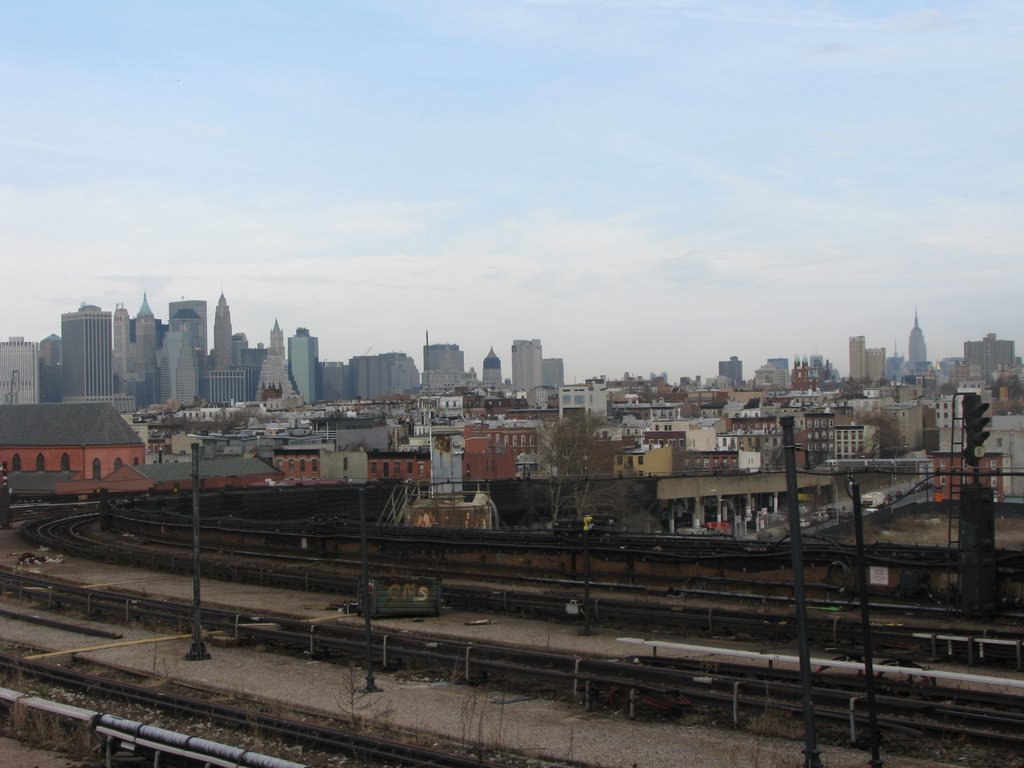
<point x="975" y="428"/>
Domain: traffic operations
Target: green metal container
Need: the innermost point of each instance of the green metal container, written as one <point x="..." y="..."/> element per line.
<point x="403" y="597"/>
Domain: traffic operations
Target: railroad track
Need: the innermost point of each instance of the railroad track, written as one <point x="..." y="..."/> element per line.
<point x="364" y="747"/>
<point x="830" y="624"/>
<point x="640" y="684"/>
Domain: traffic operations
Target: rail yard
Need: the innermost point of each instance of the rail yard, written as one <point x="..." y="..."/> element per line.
<point x="692" y="633"/>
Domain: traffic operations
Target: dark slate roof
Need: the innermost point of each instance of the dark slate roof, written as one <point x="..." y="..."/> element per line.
<point x="64" y="424"/>
<point x="182" y="470"/>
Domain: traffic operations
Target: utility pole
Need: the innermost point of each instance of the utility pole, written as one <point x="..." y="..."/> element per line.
<point x="865" y="622"/>
<point x="812" y="757"/>
<point x="197" y="651"/>
<point x="371" y="685"/>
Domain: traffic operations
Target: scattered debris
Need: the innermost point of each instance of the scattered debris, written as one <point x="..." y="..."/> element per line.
<point x="478" y="622"/>
<point x="29" y="558"/>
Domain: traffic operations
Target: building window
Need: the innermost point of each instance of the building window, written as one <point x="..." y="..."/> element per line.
<point x="387" y="469"/>
<point x="302" y="466"/>
<point x="420" y="467"/>
<point x="373" y="467"/>
<point x="291" y="466"/>
<point x="118" y="463"/>
<point x="40" y="463"/>
<point x="65" y="463"/>
<point x="316" y="466"/>
<point x="16" y="463"/>
<point x="96" y="469"/>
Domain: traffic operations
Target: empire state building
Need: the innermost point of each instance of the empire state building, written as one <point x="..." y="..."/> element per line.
<point x="917" y="350"/>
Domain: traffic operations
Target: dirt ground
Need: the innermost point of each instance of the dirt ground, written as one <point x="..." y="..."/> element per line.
<point x="933" y="530"/>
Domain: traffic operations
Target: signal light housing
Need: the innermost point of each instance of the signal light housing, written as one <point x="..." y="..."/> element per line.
<point x="975" y="428"/>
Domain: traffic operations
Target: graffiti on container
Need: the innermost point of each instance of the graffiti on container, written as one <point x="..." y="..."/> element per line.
<point x="412" y="592"/>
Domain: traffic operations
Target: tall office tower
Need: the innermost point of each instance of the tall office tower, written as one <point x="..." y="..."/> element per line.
<point x="552" y="371"/>
<point x="874" y="364"/>
<point x="334" y="381"/>
<point x="121" y="334"/>
<point x="917" y="350"/>
<point x="444" y="366"/>
<point x="274" y="381"/>
<point x="239" y="345"/>
<point x="527" y="364"/>
<point x="731" y="369"/>
<point x="50" y="385"/>
<point x="857" y="362"/>
<point x="19" y="371"/>
<point x="147" y="341"/>
<point x="371" y="376"/>
<point x="88" y="366"/>
<point x="990" y="355"/>
<point x="179" y="369"/>
<point x="223" y="357"/>
<point x="199" y="307"/>
<point x="779" y="362"/>
<point x="492" y="370"/>
<point x="304" y="364"/>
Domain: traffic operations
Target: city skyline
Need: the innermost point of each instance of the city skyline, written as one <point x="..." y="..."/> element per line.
<point x="644" y="187"/>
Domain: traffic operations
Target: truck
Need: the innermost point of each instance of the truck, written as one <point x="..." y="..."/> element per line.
<point x="872" y="499"/>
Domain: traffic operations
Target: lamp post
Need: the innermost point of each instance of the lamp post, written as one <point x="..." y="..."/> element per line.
<point x="197" y="651"/>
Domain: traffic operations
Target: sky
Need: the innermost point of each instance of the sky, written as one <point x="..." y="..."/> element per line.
<point x="643" y="185"/>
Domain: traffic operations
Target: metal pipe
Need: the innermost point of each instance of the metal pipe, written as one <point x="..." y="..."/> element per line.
<point x="812" y="757"/>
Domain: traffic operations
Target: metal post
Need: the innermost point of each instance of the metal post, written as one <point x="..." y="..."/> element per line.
<point x="371" y="686"/>
<point x="812" y="757"/>
<point x="197" y="651"/>
<point x="865" y="622"/>
<point x="588" y="522"/>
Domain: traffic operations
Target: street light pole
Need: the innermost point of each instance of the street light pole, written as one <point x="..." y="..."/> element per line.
<point x="197" y="651"/>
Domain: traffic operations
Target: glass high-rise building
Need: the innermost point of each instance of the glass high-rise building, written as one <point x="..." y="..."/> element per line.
<point x="87" y="352"/>
<point x="304" y="364"/>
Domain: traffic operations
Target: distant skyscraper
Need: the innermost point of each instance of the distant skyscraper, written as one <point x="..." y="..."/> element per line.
<point x="179" y="368"/>
<point x="527" y="364"/>
<point x="148" y="339"/>
<point x="731" y="369"/>
<point x="121" y="334"/>
<point x="304" y="364"/>
<point x="88" y="365"/>
<point x="990" y="355"/>
<point x="274" y="381"/>
<point x="552" y="372"/>
<point x="857" y="361"/>
<point x="19" y="371"/>
<point x="200" y="333"/>
<point x="874" y="364"/>
<point x="444" y="366"/>
<point x="779" y="362"/>
<point x="492" y="370"/>
<point x="372" y="376"/>
<point x="223" y="357"/>
<point x="51" y="389"/>
<point x="917" y="351"/>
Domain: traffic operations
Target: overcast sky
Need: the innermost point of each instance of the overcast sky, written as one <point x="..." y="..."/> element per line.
<point x="644" y="186"/>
